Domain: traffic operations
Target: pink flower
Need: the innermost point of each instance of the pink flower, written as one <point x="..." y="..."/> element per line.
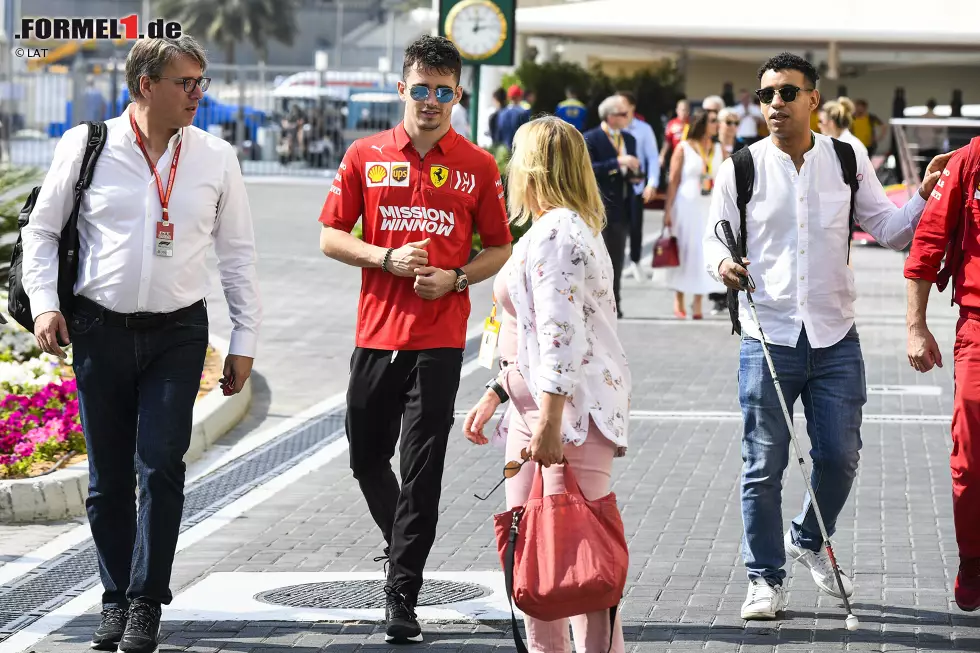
<point x="24" y="449"/>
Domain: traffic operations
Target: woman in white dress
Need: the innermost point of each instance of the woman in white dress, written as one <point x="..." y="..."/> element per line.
<point x="692" y="176"/>
<point x="836" y="117"/>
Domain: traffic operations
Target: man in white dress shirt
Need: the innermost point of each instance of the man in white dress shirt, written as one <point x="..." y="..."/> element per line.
<point x="750" y="118"/>
<point x="139" y="325"/>
<point x="797" y="243"/>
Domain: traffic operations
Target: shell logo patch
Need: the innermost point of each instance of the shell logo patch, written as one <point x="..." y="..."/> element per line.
<point x="377" y="174"/>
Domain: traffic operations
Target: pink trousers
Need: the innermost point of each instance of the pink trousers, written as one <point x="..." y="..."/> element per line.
<point x="592" y="464"/>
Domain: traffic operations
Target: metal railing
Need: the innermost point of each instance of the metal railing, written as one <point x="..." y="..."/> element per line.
<point x="281" y="120"/>
<point x="918" y="140"/>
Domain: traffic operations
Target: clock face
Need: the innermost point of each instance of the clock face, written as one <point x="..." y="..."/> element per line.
<point x="477" y="27"/>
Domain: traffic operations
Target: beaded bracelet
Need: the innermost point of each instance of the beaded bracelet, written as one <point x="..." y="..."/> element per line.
<point x="387" y="258"/>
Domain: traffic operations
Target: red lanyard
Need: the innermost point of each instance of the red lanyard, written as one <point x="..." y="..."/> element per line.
<point x="164" y="198"/>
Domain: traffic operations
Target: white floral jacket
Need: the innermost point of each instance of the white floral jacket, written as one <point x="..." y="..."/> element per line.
<point x="559" y="278"/>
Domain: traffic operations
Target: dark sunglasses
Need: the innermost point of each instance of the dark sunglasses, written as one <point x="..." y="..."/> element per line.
<point x="787" y="93"/>
<point x="620" y="114"/>
<point x="444" y="94"/>
<point x="511" y="470"/>
<point x="190" y="83"/>
<point x="731" y="123"/>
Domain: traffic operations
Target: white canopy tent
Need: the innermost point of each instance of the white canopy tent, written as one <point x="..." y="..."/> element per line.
<point x="873" y="46"/>
<point x="942" y="25"/>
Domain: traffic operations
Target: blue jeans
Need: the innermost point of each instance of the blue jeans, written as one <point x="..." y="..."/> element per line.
<point x="831" y="383"/>
<point x="136" y="393"/>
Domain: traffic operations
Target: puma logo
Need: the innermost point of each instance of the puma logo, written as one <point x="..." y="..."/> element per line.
<point x="378" y="148"/>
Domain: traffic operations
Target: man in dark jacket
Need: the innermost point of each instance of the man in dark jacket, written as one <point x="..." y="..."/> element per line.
<point x="948" y="228"/>
<point x="616" y="167"/>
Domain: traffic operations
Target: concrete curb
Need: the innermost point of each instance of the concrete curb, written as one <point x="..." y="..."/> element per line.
<point x="62" y="494"/>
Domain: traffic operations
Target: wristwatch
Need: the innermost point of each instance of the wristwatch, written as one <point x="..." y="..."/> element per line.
<point x="461" y="281"/>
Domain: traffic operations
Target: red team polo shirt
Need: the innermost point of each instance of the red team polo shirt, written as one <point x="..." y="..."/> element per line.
<point x="954" y="200"/>
<point x="403" y="199"/>
<point x="675" y="132"/>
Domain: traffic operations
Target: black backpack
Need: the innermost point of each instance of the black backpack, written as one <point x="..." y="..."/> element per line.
<point x="745" y="180"/>
<point x="18" y="304"/>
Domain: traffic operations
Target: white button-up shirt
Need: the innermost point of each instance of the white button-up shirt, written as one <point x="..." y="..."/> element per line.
<point x="798" y="235"/>
<point x="118" y="267"/>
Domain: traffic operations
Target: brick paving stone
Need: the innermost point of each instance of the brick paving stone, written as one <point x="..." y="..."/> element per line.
<point x="678" y="489"/>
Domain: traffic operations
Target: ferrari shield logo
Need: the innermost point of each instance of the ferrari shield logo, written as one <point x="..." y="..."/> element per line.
<point x="439" y="175"/>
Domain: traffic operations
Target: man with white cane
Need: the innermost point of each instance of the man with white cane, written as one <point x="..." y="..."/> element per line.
<point x="789" y="200"/>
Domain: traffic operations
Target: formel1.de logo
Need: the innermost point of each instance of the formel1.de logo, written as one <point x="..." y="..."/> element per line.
<point x="83" y="29"/>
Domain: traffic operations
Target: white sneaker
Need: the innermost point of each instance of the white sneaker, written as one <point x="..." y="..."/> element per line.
<point x="820" y="568"/>
<point x="636" y="272"/>
<point x="763" y="600"/>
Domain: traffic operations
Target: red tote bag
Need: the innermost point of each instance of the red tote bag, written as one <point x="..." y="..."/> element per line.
<point x="665" y="251"/>
<point x="562" y="555"/>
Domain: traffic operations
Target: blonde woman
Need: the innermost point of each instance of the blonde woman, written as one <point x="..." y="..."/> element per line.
<point x="563" y="370"/>
<point x="836" y="118"/>
<point x="728" y="122"/>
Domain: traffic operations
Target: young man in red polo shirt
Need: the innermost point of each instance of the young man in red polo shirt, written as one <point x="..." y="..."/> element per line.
<point x="950" y="226"/>
<point x="422" y="189"/>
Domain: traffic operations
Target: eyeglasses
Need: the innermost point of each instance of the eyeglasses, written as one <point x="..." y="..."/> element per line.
<point x="511" y="470"/>
<point x="190" y="83"/>
<point x="787" y="93"/>
<point x="444" y="94"/>
<point x="619" y="114"/>
<point x="731" y="123"/>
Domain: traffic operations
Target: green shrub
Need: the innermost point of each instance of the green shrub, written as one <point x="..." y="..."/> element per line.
<point x="657" y="89"/>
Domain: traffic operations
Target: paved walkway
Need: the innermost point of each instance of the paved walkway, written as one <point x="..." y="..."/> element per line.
<point x="678" y="487"/>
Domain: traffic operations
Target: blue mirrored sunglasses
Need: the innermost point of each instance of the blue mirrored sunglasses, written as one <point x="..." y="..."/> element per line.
<point x="444" y="94"/>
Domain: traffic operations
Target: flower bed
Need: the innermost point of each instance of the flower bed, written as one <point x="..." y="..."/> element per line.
<point x="40" y="429"/>
<point x="39" y="424"/>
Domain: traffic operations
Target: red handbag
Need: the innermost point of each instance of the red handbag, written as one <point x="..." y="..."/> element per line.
<point x="562" y="554"/>
<point x="665" y="251"/>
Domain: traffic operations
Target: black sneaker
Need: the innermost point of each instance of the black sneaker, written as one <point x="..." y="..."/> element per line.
<point x="143" y="628"/>
<point x="110" y="630"/>
<point x="403" y="627"/>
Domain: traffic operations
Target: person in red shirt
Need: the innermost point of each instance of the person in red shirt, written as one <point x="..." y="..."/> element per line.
<point x="674" y="133"/>
<point x="950" y="227"/>
<point x="420" y="189"/>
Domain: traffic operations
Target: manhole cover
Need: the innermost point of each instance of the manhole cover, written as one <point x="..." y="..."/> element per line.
<point x="364" y="594"/>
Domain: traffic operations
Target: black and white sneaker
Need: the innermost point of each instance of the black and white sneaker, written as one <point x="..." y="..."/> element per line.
<point x="110" y="630"/>
<point x="403" y="626"/>
<point x="142" y="629"/>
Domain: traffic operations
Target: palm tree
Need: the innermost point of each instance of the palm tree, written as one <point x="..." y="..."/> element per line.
<point x="227" y="23"/>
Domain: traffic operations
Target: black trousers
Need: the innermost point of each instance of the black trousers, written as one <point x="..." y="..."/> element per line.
<point x="413" y="392"/>
<point x="636" y="230"/>
<point x="615" y="235"/>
